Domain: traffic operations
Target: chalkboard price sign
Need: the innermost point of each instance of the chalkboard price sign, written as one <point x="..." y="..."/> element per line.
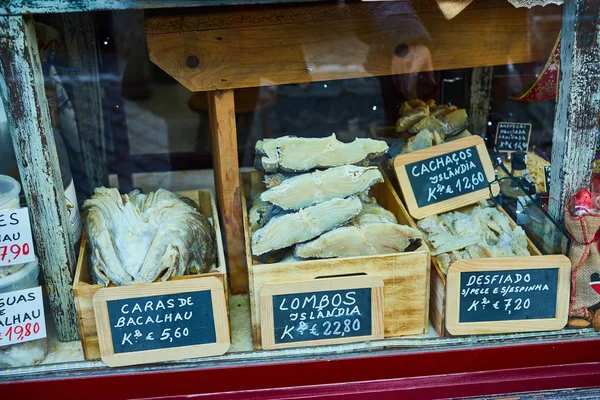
<point x="508" y="295"/>
<point x="445" y="177"/>
<point x="322" y="311"/>
<point x="489" y="296"/>
<point x="161" y="321"/>
<point x="512" y="136"/>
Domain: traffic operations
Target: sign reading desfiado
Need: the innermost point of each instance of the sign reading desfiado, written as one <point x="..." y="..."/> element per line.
<point x="516" y="294"/>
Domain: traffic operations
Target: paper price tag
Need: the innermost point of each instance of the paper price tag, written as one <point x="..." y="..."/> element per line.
<point x="22" y="316"/>
<point x="16" y="243"/>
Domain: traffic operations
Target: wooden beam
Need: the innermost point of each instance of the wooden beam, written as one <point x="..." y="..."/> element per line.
<point x="18" y="7"/>
<point x="577" y="118"/>
<point x="249" y="47"/>
<point x="221" y="110"/>
<point x="80" y="41"/>
<point x="479" y="103"/>
<point x="22" y="91"/>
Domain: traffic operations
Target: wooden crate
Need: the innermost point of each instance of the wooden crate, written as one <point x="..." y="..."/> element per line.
<point x="437" y="303"/>
<point x="84" y="287"/>
<point x="405" y="275"/>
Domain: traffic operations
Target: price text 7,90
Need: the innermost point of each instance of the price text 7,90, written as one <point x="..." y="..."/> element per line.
<point x="13" y="252"/>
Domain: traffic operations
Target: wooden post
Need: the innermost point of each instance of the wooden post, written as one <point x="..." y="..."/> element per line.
<point x="22" y="91"/>
<point x="80" y="41"/>
<point x="221" y="110"/>
<point x="479" y="105"/>
<point x="577" y="116"/>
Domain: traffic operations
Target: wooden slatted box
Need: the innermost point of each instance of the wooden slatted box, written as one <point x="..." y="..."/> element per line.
<point x="437" y="303"/>
<point x="405" y="275"/>
<point x="84" y="288"/>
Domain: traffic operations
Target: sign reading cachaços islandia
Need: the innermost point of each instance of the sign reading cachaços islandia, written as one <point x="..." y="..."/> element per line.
<point x="445" y="177"/>
<point x="161" y="321"/>
<point x="507" y="295"/>
<point x="321" y="311"/>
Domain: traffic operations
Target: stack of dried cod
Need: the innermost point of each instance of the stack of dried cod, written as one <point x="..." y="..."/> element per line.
<point x="317" y="200"/>
<point x="480" y="232"/>
<point x="137" y="238"/>
<point x="425" y="124"/>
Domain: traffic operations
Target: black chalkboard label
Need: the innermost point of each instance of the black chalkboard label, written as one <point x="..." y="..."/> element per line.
<point x="331" y="314"/>
<point x="161" y="321"/>
<point x="508" y="295"/>
<point x="547" y="169"/>
<point x="511" y="136"/>
<point x="446" y="176"/>
<point x="321" y="311"/>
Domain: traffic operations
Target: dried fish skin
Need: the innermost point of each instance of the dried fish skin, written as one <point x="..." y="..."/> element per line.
<point x="304" y="225"/>
<point x="292" y="154"/>
<point x="256" y="214"/>
<point x="354" y="241"/>
<point x="261" y="213"/>
<point x="312" y="188"/>
<point x="136" y="238"/>
<point x="273" y="180"/>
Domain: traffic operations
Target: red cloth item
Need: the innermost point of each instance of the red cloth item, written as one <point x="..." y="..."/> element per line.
<point x="546" y="85"/>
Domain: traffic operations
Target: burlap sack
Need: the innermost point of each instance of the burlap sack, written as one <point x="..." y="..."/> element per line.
<point x="585" y="258"/>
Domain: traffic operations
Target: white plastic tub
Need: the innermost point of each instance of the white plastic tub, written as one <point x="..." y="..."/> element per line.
<point x="27" y="353"/>
<point x="9" y="193"/>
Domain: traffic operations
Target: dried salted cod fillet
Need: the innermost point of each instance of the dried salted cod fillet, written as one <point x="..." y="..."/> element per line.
<point x="410" y="105"/>
<point x="430" y="123"/>
<point x="441" y="110"/>
<point x="304" y="225"/>
<point x="456" y="122"/>
<point x="411" y="117"/>
<point x="136" y="238"/>
<point x="441" y="235"/>
<point x="373" y="213"/>
<point x="365" y="198"/>
<point x="292" y="154"/>
<point x="422" y="140"/>
<point x="316" y="187"/>
<point x="444" y="261"/>
<point x="353" y="241"/>
<point x="461" y="135"/>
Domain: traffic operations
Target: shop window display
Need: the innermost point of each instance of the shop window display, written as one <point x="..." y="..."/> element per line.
<point x="212" y="185"/>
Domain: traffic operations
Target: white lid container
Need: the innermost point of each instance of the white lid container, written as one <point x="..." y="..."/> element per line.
<point x="9" y="193"/>
<point x="24" y="278"/>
